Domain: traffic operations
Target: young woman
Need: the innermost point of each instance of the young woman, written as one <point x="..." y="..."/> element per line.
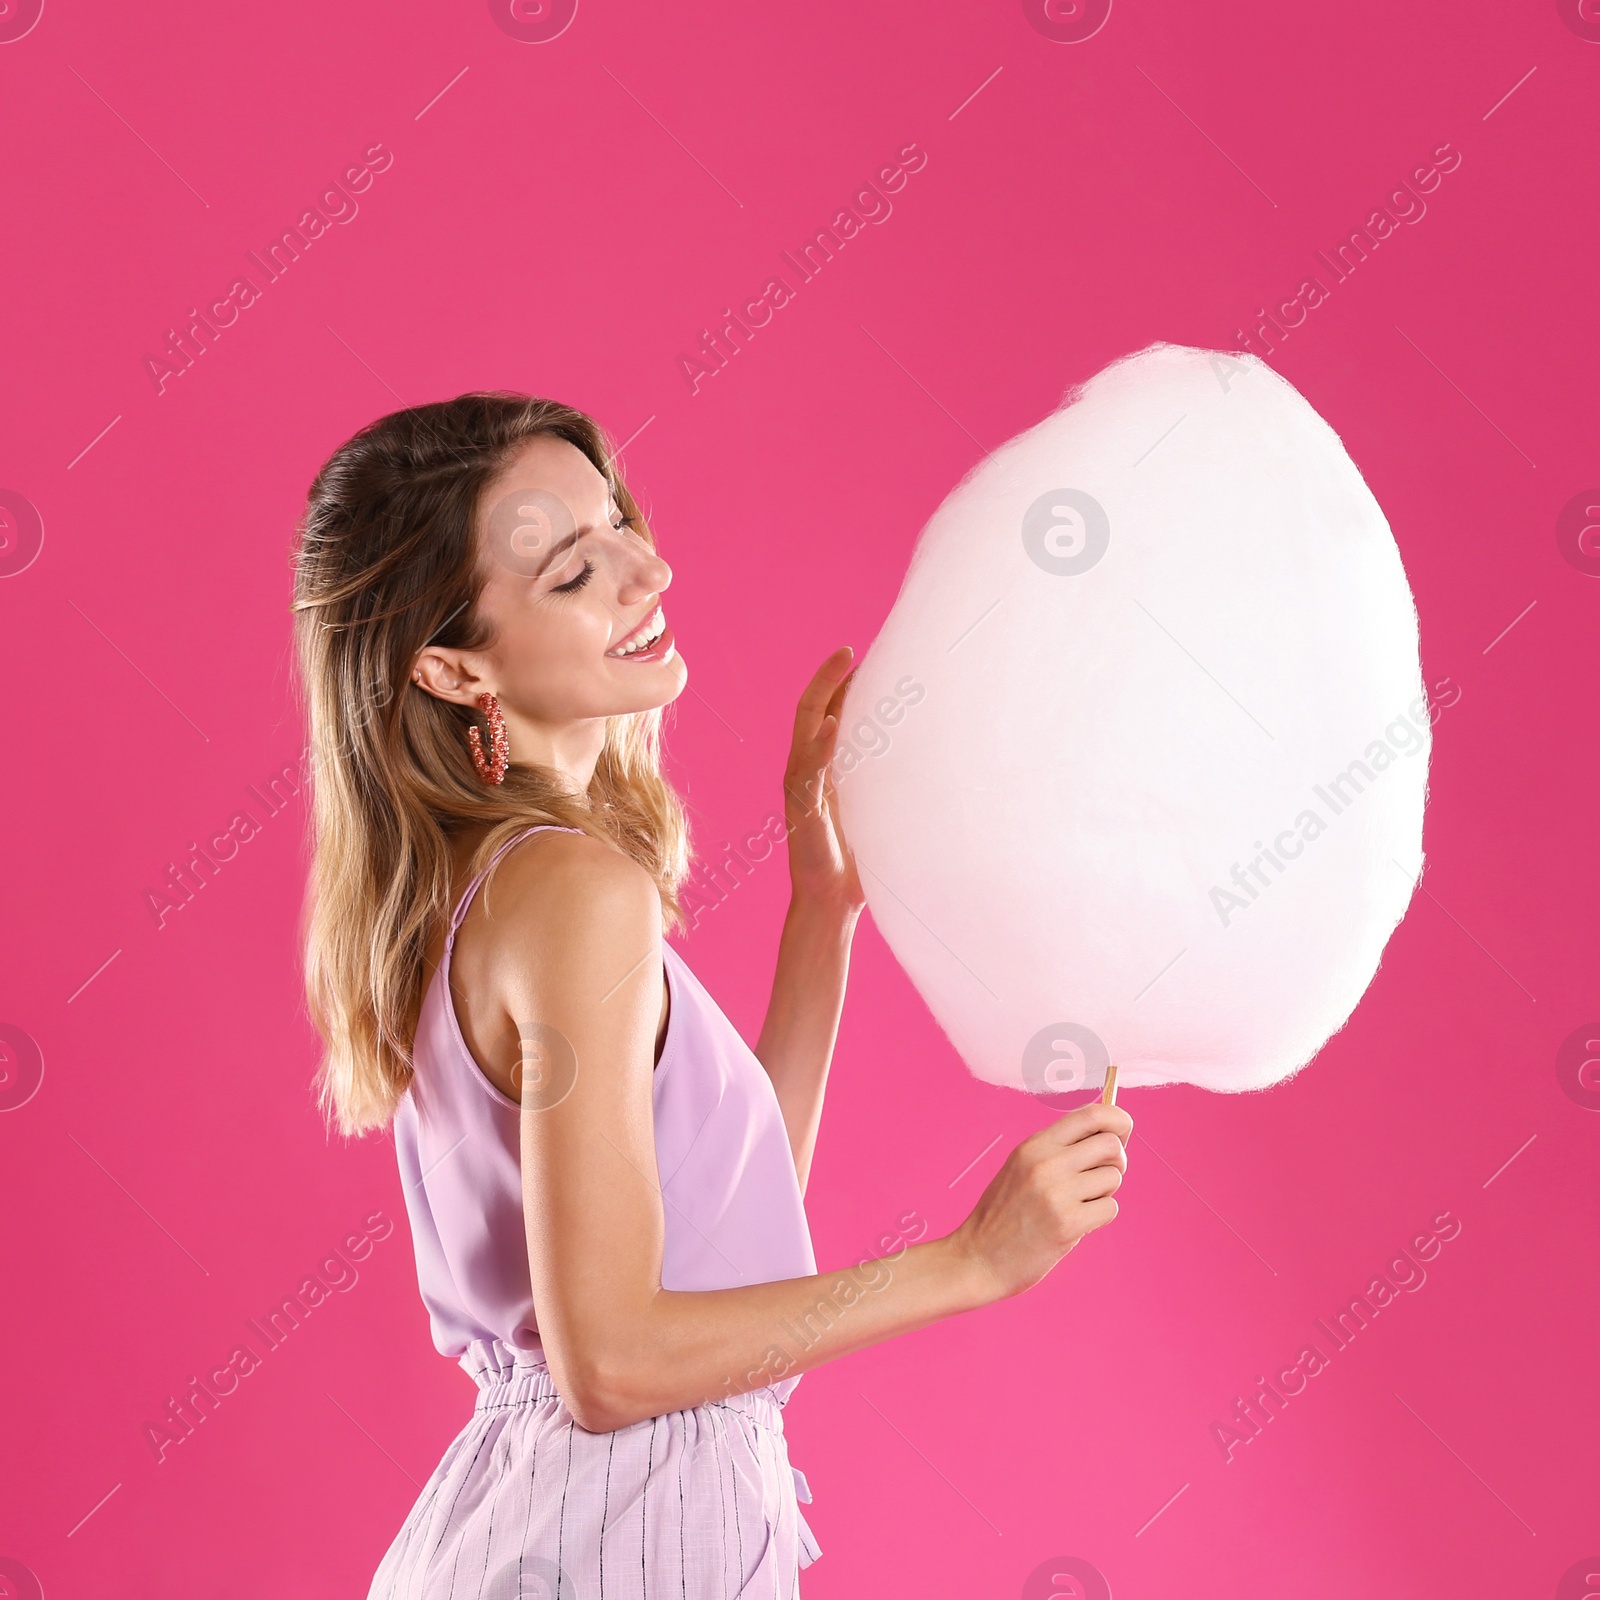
<point x="604" y="1182"/>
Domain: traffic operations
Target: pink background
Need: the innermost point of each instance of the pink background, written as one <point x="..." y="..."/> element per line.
<point x="565" y="218"/>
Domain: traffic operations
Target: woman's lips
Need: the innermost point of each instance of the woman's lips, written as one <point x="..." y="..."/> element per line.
<point x="653" y="627"/>
<point x="659" y="651"/>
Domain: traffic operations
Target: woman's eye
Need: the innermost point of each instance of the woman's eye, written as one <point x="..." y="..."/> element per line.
<point x="577" y="583"/>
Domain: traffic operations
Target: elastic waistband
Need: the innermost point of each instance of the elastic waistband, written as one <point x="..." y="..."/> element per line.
<point x="529" y="1384"/>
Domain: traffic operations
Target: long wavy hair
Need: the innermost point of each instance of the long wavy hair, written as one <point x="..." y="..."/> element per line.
<point x="388" y="560"/>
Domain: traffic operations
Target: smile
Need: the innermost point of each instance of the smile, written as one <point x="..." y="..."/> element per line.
<point x="649" y="640"/>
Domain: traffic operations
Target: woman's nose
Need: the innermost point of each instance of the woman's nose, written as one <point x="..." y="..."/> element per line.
<point x="648" y="574"/>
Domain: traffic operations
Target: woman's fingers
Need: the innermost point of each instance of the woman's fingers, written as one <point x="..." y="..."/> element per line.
<point x="816" y="729"/>
<point x="1097" y="1183"/>
<point x="1080" y="1123"/>
<point x="836" y="699"/>
<point x="1099" y="1150"/>
<point x="820" y="694"/>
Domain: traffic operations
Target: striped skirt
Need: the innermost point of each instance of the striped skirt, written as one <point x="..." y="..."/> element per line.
<point x="526" y="1505"/>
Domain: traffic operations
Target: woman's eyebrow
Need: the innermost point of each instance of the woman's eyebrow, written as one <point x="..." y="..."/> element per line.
<point x="564" y="543"/>
<point x="567" y="541"/>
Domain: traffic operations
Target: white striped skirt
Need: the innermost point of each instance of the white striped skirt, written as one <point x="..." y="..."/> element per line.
<point x="526" y="1505"/>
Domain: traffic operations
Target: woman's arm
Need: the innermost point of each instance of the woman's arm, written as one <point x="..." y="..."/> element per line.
<point x="580" y="955"/>
<point x="802" y="1022"/>
<point x="797" y="1038"/>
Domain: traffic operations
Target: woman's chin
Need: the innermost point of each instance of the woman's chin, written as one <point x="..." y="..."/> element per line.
<point x="649" y="685"/>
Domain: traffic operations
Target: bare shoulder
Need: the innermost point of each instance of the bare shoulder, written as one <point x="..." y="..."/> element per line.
<point x="585" y="911"/>
<point x="573" y="877"/>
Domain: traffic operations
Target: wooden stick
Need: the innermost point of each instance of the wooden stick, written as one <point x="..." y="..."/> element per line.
<point x="1108" y="1095"/>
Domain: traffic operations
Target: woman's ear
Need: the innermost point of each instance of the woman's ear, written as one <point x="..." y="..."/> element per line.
<point x="446" y="675"/>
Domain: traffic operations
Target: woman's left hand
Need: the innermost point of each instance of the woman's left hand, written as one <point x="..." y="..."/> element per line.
<point x="821" y="867"/>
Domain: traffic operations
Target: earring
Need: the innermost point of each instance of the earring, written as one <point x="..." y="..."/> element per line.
<point x="492" y="770"/>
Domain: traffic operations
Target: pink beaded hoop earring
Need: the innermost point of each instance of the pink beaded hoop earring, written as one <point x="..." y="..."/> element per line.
<point x="492" y="770"/>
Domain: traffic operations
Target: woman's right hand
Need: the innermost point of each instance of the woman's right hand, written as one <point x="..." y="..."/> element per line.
<point x="1056" y="1186"/>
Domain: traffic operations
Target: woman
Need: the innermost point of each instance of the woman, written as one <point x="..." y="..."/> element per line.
<point x="604" y="1182"/>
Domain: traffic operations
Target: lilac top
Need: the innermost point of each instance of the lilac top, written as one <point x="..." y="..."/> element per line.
<point x="734" y="1213"/>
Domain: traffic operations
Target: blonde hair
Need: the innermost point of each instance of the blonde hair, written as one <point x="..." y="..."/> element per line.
<point x="388" y="561"/>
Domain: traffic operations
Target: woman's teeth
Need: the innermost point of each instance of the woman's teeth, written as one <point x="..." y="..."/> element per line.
<point x="653" y="629"/>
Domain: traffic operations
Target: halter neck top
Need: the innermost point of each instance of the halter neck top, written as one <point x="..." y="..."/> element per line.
<point x="733" y="1209"/>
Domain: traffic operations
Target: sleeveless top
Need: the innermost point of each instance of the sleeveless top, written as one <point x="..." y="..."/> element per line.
<point x="733" y="1209"/>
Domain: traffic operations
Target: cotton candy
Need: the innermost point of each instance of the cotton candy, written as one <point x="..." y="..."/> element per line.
<point x="1135" y="769"/>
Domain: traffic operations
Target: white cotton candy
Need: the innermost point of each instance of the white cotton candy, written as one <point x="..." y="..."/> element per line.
<point x="1135" y="770"/>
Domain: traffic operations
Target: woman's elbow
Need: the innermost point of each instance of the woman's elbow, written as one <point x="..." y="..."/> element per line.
<point x="594" y="1415"/>
<point x="598" y="1394"/>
